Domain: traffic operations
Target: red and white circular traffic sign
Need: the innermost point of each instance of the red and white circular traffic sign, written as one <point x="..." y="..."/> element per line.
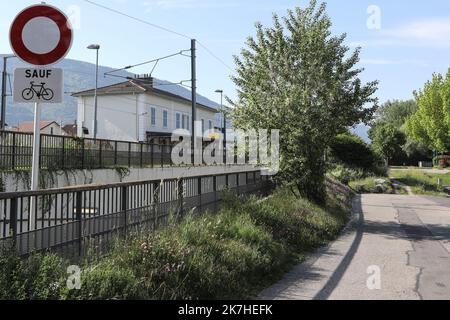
<point x="41" y="35"/>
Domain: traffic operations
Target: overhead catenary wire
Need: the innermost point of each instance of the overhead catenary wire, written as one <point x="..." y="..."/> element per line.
<point x="137" y="19"/>
<point x="147" y="62"/>
<point x="154" y="25"/>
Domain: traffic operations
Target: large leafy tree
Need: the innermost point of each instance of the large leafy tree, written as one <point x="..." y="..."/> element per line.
<point x="395" y="114"/>
<point x="387" y="141"/>
<point x="296" y="77"/>
<point x="430" y="125"/>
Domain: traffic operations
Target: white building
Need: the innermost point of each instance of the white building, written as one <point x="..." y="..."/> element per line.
<point x="142" y="109"/>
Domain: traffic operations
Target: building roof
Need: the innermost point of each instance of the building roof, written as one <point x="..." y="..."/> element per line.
<point x="70" y="129"/>
<point x="28" y="126"/>
<point x="151" y="85"/>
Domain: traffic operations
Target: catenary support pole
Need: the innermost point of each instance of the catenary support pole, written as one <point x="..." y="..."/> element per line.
<point x="3" y="101"/>
<point x="194" y="100"/>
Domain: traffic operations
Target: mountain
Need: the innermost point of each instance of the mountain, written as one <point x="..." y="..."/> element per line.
<point x="362" y="131"/>
<point x="78" y="76"/>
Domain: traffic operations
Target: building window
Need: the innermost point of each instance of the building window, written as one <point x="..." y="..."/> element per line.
<point x="165" y="118"/>
<point x="51" y="131"/>
<point x="210" y="124"/>
<point x="187" y="123"/>
<point x="153" y="116"/>
<point x="178" y="121"/>
<point x="203" y="126"/>
<point x="183" y="124"/>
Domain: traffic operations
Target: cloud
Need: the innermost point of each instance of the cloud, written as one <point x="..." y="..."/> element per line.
<point x="434" y="30"/>
<point x="433" y="33"/>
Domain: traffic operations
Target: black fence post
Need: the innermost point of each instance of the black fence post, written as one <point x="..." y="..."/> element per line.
<point x="181" y="197"/>
<point x="41" y="149"/>
<point x="141" y="159"/>
<point x="13" y="151"/>
<point x="82" y="154"/>
<point x="215" y="192"/>
<point x="124" y="202"/>
<point x="115" y="153"/>
<point x="199" y="188"/>
<point x="129" y="154"/>
<point x="78" y="217"/>
<point x="100" y="160"/>
<point x="161" y="150"/>
<point x="152" y="154"/>
<point x="13" y="221"/>
<point x="63" y="152"/>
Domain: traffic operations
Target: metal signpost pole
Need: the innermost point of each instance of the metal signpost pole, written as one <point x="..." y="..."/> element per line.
<point x="35" y="167"/>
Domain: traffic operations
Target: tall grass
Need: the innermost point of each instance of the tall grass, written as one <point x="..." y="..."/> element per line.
<point x="233" y="254"/>
<point x="422" y="182"/>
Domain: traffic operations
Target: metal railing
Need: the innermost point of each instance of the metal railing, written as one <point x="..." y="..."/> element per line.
<point x="73" y="220"/>
<point x="66" y="152"/>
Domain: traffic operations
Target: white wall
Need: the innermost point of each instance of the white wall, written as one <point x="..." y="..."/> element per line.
<point x="116" y="117"/>
<point x="128" y="116"/>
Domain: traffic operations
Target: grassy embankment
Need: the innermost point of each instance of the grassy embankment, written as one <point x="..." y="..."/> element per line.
<point x="250" y="244"/>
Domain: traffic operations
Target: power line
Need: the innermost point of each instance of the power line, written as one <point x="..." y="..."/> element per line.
<point x="161" y="28"/>
<point x="137" y="19"/>
<point x="215" y="56"/>
<point x="148" y="62"/>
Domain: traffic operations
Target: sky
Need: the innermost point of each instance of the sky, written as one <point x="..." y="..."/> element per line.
<point x="403" y="42"/>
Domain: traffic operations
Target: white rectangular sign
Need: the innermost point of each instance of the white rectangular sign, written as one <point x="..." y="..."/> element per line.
<point x="44" y="85"/>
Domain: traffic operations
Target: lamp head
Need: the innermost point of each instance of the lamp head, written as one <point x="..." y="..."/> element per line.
<point x="94" y="46"/>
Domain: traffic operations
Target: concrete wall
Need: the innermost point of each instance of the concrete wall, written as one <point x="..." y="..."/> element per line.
<point x="20" y="181"/>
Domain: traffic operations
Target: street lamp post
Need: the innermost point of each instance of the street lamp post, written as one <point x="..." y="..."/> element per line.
<point x="97" y="48"/>
<point x="224" y="125"/>
<point x="3" y="98"/>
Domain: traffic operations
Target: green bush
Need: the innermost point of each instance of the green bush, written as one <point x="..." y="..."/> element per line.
<point x="353" y="152"/>
<point x="38" y="277"/>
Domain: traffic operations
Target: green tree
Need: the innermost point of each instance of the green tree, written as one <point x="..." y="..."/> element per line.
<point x="387" y="141"/>
<point x="395" y="112"/>
<point x="298" y="78"/>
<point x="430" y="125"/>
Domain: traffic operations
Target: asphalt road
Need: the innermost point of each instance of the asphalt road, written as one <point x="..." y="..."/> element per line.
<point x="396" y="247"/>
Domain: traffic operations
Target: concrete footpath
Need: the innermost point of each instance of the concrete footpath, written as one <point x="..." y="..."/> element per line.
<point x="395" y="247"/>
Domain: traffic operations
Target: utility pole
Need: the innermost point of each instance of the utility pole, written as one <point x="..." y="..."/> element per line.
<point x="194" y="99"/>
<point x="224" y="114"/>
<point x="95" y="47"/>
<point x="3" y="98"/>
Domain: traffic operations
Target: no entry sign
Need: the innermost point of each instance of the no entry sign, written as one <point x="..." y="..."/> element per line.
<point x="41" y="35"/>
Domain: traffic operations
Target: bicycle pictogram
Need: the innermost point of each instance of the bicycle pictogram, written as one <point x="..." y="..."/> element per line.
<point x="42" y="92"/>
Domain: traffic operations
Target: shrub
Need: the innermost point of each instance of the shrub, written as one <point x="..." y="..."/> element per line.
<point x="38" y="277"/>
<point x="353" y="152"/>
<point x="441" y="161"/>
